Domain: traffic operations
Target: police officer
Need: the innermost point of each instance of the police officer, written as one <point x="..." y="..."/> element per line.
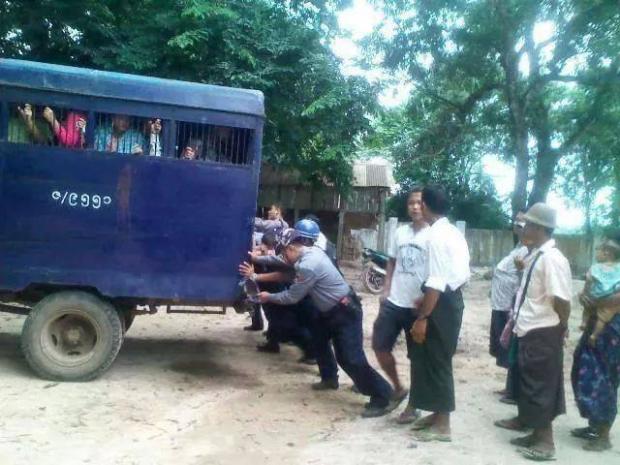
<point x="339" y="318"/>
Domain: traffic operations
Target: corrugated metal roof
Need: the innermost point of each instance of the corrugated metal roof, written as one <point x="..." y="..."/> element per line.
<point x="364" y="175"/>
<point x="372" y="175"/>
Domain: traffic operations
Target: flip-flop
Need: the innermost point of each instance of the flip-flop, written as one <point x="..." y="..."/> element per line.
<point x="508" y="424"/>
<point x="524" y="441"/>
<point x="597" y="445"/>
<point x="584" y="433"/>
<point x="407" y="417"/>
<point x="427" y="435"/>
<point x="537" y="455"/>
<point x="421" y="424"/>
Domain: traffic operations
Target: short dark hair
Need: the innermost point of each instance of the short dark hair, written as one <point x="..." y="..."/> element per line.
<point x="414" y="190"/>
<point x="269" y="239"/>
<point x="613" y="236"/>
<point x="436" y="199"/>
<point x="305" y="241"/>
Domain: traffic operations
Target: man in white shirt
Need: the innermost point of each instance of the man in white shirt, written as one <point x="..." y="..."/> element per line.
<point x="504" y="287"/>
<point x="541" y="316"/>
<point x="436" y="330"/>
<point x="406" y="271"/>
<point x="323" y="242"/>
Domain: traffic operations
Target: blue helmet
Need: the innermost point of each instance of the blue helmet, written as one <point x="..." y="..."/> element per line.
<point x="307" y="229"/>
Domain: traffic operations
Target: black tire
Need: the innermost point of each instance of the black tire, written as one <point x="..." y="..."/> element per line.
<point x="71" y="336"/>
<point x="373" y="281"/>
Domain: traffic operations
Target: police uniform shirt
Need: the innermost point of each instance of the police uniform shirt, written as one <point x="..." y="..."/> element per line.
<point x="315" y="275"/>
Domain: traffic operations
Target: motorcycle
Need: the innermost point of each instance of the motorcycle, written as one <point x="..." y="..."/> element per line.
<point x="373" y="276"/>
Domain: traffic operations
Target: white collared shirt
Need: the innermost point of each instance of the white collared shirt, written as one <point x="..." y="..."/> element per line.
<point x="551" y="277"/>
<point x="321" y="242"/>
<point x="448" y="256"/>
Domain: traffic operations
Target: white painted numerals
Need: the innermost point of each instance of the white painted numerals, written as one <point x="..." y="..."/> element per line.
<point x="73" y="199"/>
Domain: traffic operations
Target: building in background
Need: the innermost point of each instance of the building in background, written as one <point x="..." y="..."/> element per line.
<point x="363" y="209"/>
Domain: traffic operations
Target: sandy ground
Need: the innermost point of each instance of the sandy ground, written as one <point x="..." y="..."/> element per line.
<point x="191" y="389"/>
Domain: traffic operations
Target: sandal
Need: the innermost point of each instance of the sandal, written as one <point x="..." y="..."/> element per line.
<point x="428" y="435"/>
<point x="407" y="416"/>
<point x="588" y="433"/>
<point x="512" y="424"/>
<point x="597" y="445"/>
<point x="524" y="441"/>
<point x="422" y="423"/>
<point x="537" y="455"/>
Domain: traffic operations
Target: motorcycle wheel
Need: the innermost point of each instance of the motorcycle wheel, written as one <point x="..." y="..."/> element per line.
<point x="373" y="281"/>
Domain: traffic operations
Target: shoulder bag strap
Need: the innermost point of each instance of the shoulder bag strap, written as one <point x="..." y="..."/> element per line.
<point x="527" y="284"/>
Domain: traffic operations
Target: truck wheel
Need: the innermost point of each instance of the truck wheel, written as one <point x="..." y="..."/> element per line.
<point x="71" y="336"/>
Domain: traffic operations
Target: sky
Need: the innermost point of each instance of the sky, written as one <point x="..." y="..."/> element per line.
<point x="360" y="20"/>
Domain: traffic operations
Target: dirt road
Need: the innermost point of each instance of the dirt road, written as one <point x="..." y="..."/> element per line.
<point x="192" y="390"/>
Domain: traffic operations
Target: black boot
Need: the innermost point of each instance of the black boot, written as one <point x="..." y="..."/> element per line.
<point x="269" y="347"/>
<point x="325" y="385"/>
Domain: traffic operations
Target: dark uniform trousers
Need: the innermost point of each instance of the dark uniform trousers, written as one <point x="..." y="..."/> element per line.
<point x="291" y="323"/>
<point x="342" y="326"/>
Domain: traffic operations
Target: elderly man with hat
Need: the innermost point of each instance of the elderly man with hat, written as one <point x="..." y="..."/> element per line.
<point x="540" y="322"/>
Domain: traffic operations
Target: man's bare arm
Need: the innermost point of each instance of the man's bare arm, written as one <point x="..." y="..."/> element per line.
<point x="274" y="277"/>
<point x="562" y="308"/>
<point x="389" y="272"/>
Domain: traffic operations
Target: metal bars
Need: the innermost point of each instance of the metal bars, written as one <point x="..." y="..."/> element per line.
<point x="218" y="144"/>
<point x="124" y="134"/>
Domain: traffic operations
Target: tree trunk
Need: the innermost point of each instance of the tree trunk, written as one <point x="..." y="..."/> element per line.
<point x="519" y="194"/>
<point x="546" y="161"/>
<point x="518" y="126"/>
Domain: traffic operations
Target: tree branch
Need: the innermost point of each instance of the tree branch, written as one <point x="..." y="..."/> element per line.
<point x="593" y="113"/>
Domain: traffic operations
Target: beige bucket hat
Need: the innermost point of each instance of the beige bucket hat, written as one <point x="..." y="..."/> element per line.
<point x="542" y="215"/>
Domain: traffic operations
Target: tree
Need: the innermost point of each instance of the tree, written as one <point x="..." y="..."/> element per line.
<point x="594" y="165"/>
<point x="485" y="69"/>
<point x="314" y="113"/>
<point x="402" y="134"/>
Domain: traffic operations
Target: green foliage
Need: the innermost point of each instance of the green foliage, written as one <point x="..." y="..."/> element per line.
<point x="594" y="165"/>
<point x="399" y="133"/>
<point x="314" y="113"/>
<point x="488" y="82"/>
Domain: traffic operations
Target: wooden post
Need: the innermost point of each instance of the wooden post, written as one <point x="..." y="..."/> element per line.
<point x="340" y="238"/>
<point x="381" y="236"/>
